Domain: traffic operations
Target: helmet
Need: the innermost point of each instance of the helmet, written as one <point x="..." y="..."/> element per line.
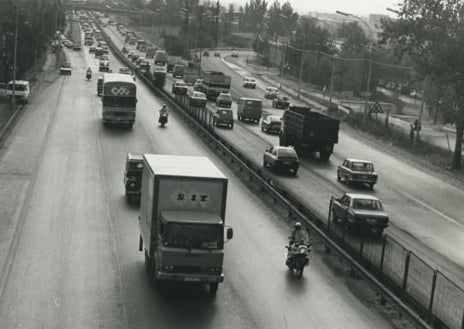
<point x="298" y="226"/>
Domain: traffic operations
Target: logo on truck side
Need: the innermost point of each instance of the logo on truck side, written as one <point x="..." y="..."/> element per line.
<point x="194" y="197"/>
<point x="120" y="91"/>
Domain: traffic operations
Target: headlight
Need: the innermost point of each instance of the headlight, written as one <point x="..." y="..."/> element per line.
<point x="302" y="250"/>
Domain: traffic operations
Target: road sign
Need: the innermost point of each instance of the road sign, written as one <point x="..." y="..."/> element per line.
<point x="366" y="94"/>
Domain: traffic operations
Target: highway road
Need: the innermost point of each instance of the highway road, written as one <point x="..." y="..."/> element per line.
<point x="69" y="243"/>
<point x="425" y="211"/>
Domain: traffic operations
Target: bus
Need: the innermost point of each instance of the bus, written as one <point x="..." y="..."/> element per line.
<point x="119" y="99"/>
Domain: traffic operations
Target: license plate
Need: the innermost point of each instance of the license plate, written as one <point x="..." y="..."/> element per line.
<point x="287" y="163"/>
<point x="190" y="279"/>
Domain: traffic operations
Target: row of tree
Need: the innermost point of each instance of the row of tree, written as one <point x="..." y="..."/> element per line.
<point x="32" y="23"/>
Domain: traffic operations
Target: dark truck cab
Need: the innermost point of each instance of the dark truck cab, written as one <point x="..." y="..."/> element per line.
<point x="133" y="176"/>
<point x="309" y="131"/>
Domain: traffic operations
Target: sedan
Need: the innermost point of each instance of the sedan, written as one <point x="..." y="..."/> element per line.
<point x="224" y="100"/>
<point x="198" y="85"/>
<point x="281" y="102"/>
<point x="197" y="98"/>
<point x="281" y="157"/>
<point x="217" y="54"/>
<point x="235" y="54"/>
<point x="179" y="88"/>
<point x="206" y="53"/>
<point x="271" y="92"/>
<point x="249" y="83"/>
<point x="360" y="211"/>
<point x="357" y="171"/>
<point x="271" y="124"/>
<point x="92" y="49"/>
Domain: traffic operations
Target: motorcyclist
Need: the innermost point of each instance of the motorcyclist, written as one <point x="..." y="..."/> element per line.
<point x="298" y="235"/>
<point x="163" y="112"/>
<point x="88" y="73"/>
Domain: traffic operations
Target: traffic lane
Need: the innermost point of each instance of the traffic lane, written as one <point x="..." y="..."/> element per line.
<point x="64" y="273"/>
<point x="242" y="302"/>
<point x="417" y="193"/>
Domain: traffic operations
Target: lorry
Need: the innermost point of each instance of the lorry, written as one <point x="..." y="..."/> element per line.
<point x="214" y="83"/>
<point x="309" y="131"/>
<point x="151" y="50"/>
<point x="104" y="65"/>
<point x="161" y="58"/>
<point x="119" y="99"/>
<point x="182" y="219"/>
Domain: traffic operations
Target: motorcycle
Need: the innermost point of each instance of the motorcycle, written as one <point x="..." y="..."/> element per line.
<point x="297" y="257"/>
<point x="163" y="119"/>
<point x="88" y="76"/>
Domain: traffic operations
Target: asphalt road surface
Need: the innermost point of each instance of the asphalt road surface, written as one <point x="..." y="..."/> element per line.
<point x="425" y="212"/>
<point x="69" y="250"/>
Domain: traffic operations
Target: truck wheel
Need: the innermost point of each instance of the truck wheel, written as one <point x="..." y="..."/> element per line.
<point x="323" y="155"/>
<point x="338" y="177"/>
<point x="213" y="288"/>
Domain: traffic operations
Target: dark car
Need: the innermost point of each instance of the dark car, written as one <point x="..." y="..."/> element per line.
<point x="198" y="85"/>
<point x="133" y="176"/>
<point x="99" y="86"/>
<point x="179" y="88"/>
<point x="92" y="49"/>
<point x="357" y="171"/>
<point x="224" y="100"/>
<point x="134" y="58"/>
<point x="271" y="124"/>
<point x="281" y="157"/>
<point x="65" y="68"/>
<point x="206" y="53"/>
<point x="234" y="54"/>
<point x="217" y="54"/>
<point x="360" y="211"/>
<point x="223" y="117"/>
<point x="76" y="46"/>
<point x="281" y="102"/>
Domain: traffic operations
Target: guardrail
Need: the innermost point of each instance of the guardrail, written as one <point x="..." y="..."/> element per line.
<point x="395" y="271"/>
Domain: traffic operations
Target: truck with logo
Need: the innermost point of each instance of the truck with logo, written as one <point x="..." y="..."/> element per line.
<point x="214" y="83"/>
<point x="159" y="76"/>
<point x="182" y="219"/>
<point x="119" y="99"/>
<point x="309" y="131"/>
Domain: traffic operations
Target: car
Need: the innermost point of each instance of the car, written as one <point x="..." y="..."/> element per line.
<point x="134" y="58"/>
<point x="234" y="54"/>
<point x="217" y="54"/>
<point x="281" y="158"/>
<point x="179" y="88"/>
<point x="105" y="50"/>
<point x="206" y="53"/>
<point x="360" y="211"/>
<point x="271" y="124"/>
<point x="92" y="49"/>
<point x="223" y="117"/>
<point x="196" y="98"/>
<point x="21" y="90"/>
<point x="271" y="92"/>
<point x="357" y="171"/>
<point x="133" y="176"/>
<point x="130" y="54"/>
<point x="140" y="60"/>
<point x="281" y="102"/>
<point x="178" y="71"/>
<point x="76" y="46"/>
<point x="198" y="85"/>
<point x="224" y="100"/>
<point x="98" y="52"/>
<point x="65" y="68"/>
<point x="249" y="83"/>
<point x="124" y="70"/>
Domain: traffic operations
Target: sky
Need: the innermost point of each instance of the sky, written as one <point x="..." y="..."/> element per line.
<point x="357" y="7"/>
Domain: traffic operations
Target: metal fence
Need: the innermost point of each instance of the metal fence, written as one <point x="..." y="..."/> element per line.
<point x="441" y="299"/>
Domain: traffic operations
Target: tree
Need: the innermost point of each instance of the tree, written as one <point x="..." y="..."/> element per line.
<point x="353" y="37"/>
<point x="432" y="33"/>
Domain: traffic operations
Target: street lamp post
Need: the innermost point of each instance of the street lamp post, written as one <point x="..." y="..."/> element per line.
<point x="13" y="98"/>
<point x="301" y="64"/>
<point x="366" y="105"/>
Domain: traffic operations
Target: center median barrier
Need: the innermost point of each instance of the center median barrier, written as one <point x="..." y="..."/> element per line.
<point x="386" y="259"/>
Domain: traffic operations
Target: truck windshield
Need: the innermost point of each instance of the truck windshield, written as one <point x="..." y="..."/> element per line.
<point x="118" y="101"/>
<point x="198" y="236"/>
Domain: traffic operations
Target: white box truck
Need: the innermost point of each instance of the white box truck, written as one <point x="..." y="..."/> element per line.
<point x="182" y="219"/>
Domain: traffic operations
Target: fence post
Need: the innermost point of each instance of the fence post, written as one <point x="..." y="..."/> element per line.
<point x="406" y="270"/>
<point x="432" y="294"/>
<point x="382" y="257"/>
<point x="330" y="214"/>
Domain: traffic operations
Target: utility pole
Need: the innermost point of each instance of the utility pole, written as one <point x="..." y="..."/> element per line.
<point x="216" y="30"/>
<point x="332" y="76"/>
<point x="369" y="74"/>
<point x="13" y="98"/>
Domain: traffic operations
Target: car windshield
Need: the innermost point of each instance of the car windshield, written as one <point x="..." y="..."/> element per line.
<point x="185" y="235"/>
<point x="367" y="204"/>
<point x="226" y="97"/>
<point x="225" y="113"/>
<point x="362" y="166"/>
<point x="253" y="104"/>
<point x="65" y="65"/>
<point x="274" y="119"/>
<point x="287" y="153"/>
<point x="180" y="84"/>
<point x="284" y="98"/>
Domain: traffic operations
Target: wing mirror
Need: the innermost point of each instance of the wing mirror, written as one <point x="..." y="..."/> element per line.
<point x="230" y="233"/>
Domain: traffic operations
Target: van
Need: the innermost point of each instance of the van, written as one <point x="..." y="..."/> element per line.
<point x="249" y="109"/>
<point x="178" y="71"/>
<point x="22" y="90"/>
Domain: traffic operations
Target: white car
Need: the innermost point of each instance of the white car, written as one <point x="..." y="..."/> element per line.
<point x="271" y="92"/>
<point x="249" y="83"/>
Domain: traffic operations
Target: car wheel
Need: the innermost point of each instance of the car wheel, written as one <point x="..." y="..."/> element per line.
<point x="338" y="177"/>
<point x="347" y="180"/>
<point x="265" y="165"/>
<point x="231" y="125"/>
<point x="371" y="186"/>
<point x="262" y="128"/>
